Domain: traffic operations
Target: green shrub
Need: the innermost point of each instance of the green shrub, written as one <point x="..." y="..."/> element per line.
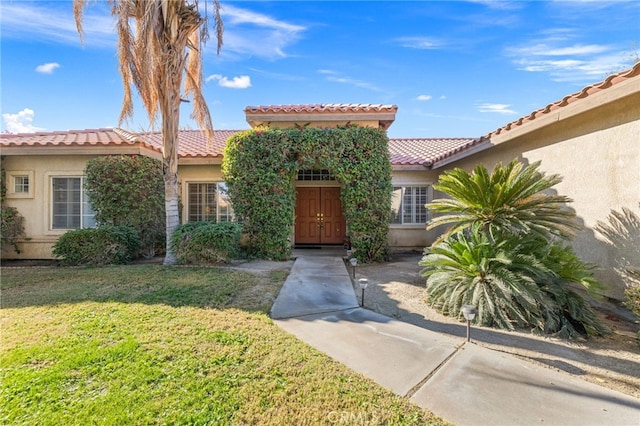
<point x="206" y="242"/>
<point x="11" y="227"/>
<point x="11" y="221"/>
<point x="103" y="245"/>
<point x="633" y="301"/>
<point x="128" y="190"/>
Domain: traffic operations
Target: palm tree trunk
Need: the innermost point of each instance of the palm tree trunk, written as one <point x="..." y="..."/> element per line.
<point x="170" y="112"/>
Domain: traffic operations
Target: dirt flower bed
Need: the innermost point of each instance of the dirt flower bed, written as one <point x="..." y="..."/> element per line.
<point x="397" y="290"/>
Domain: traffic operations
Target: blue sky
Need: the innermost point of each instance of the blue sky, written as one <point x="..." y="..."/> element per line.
<point x="454" y="69"/>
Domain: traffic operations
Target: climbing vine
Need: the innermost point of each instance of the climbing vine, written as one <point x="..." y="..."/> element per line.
<point x="260" y="167"/>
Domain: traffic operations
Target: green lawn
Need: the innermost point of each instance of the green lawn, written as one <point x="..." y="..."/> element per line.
<point x="161" y="345"/>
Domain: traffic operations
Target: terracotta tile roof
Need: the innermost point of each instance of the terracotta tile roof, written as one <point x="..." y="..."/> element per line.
<point x="426" y="151"/>
<point x="417" y="151"/>
<point x="320" y="108"/>
<point x="610" y="81"/>
<point x="193" y="143"/>
<point x="104" y="137"/>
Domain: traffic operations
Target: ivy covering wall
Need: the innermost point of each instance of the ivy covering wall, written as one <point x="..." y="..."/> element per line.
<point x="260" y="168"/>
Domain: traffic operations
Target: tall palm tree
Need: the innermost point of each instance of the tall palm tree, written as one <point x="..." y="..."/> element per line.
<point x="509" y="199"/>
<point x="164" y="49"/>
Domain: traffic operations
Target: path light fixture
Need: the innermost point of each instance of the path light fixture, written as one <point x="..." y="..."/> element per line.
<point x="469" y="312"/>
<point x="363" y="286"/>
<point x="353" y="262"/>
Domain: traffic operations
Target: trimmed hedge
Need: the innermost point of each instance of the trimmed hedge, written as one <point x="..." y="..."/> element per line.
<point x="104" y="245"/>
<point x="206" y="242"/>
<point x="128" y="190"/>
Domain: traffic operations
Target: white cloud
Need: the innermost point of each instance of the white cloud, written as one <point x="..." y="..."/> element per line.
<point x="545" y="49"/>
<point x="422" y="43"/>
<point x="423" y="97"/>
<point x="47" y="68"/>
<point x="247" y="33"/>
<point x="55" y="22"/>
<point x="497" y="108"/>
<point x="498" y="4"/>
<point x="21" y="122"/>
<point x="558" y="55"/>
<point x="235" y="16"/>
<point x="579" y="71"/>
<point x="255" y="34"/>
<point x="335" y="77"/>
<point x="241" y="82"/>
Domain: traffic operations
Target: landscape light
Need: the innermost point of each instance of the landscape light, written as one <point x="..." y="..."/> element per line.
<point x="363" y="285"/>
<point x="353" y="262"/>
<point x="469" y="312"/>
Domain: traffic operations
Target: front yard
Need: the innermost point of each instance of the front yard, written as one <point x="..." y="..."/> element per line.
<point x="147" y="344"/>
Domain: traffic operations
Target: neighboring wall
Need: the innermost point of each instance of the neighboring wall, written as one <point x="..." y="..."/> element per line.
<point x="597" y="152"/>
<point x="36" y="206"/>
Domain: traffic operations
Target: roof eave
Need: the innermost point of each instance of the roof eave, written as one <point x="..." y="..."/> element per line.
<point x="540" y="119"/>
<point x="83" y="149"/>
<point x="480" y="146"/>
<point x="409" y="167"/>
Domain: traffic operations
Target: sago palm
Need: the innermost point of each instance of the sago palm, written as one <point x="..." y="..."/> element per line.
<point x="570" y="314"/>
<point x="510" y="199"/>
<point x="162" y="59"/>
<point x="499" y="278"/>
<point x="518" y="281"/>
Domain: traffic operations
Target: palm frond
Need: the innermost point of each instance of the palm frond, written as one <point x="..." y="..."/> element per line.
<point x="510" y="199"/>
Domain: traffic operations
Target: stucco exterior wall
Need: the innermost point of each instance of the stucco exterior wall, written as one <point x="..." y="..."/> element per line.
<point x="411" y="237"/>
<point x="36" y="207"/>
<point x="597" y="153"/>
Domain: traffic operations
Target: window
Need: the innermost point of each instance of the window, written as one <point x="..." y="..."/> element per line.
<point x="315" y="175"/>
<point x="408" y="204"/>
<point x="209" y="202"/>
<point x="21" y="184"/>
<point x="70" y="207"/>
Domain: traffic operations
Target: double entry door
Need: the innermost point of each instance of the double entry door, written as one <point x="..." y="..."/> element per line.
<point x="319" y="218"/>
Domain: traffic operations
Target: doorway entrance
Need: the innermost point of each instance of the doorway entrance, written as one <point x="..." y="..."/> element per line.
<point x="319" y="218"/>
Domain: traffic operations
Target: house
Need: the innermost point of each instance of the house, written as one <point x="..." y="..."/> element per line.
<point x="591" y="138"/>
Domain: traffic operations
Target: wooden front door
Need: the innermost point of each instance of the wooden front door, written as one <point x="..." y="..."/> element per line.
<point x="319" y="218"/>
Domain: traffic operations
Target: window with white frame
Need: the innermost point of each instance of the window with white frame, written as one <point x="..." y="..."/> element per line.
<point x="208" y="201"/>
<point x="70" y="208"/>
<point x="20" y="184"/>
<point x="408" y="205"/>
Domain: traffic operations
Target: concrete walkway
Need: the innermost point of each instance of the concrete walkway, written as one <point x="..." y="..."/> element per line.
<point x="464" y="383"/>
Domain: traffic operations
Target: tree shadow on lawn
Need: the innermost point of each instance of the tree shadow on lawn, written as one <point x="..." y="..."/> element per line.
<point x="382" y="298"/>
